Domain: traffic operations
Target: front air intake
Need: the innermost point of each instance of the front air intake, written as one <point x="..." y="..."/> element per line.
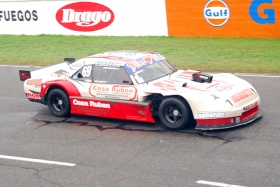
<point x="202" y="77"/>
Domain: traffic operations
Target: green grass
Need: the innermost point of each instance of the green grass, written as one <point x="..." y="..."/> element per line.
<point x="205" y="54"/>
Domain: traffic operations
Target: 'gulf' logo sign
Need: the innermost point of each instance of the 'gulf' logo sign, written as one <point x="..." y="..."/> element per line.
<point x="216" y="13"/>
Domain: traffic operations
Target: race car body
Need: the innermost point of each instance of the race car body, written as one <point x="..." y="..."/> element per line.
<point x="138" y="85"/>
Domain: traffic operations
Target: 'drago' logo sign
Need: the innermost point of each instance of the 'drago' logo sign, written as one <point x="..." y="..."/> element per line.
<point x="269" y="12"/>
<point x="216" y="13"/>
<point x="85" y="16"/>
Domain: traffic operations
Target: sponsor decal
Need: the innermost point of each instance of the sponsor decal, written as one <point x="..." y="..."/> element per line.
<point x="248" y="107"/>
<point x="35" y="82"/>
<point x="61" y="76"/>
<point x="212" y="85"/>
<point x="224" y="87"/>
<point x="224" y="76"/>
<point x="242" y="95"/>
<point x="138" y="78"/>
<point x="108" y="64"/>
<point x="215" y="97"/>
<point x="138" y="64"/>
<point x="86" y="71"/>
<point x="269" y="13"/>
<point x="76" y="65"/>
<point x="237" y="119"/>
<point x="130" y="54"/>
<point x="19" y="15"/>
<point x="210" y="115"/>
<point x="85" y="16"/>
<point x="91" y="104"/>
<point x="113" y="91"/>
<point x="188" y="74"/>
<point x="34" y="96"/>
<point x="165" y="86"/>
<point x="216" y="13"/>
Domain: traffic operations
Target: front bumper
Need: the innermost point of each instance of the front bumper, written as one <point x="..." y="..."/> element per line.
<point x="229" y="125"/>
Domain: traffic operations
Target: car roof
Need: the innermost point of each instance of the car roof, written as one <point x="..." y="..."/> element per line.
<point x="122" y="56"/>
<point x="131" y="60"/>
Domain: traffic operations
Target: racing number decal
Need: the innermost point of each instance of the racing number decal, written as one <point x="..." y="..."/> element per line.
<point x="86" y="71"/>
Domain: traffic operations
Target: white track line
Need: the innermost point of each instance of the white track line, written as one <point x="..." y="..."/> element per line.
<point x="36" y="160"/>
<point x="15" y="66"/>
<point x="217" y="184"/>
<point x="273" y="76"/>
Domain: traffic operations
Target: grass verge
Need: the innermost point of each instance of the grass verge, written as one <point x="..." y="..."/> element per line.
<point x="204" y="54"/>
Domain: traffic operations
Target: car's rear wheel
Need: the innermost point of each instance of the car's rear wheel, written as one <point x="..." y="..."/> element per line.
<point x="58" y="102"/>
<point x="174" y="113"/>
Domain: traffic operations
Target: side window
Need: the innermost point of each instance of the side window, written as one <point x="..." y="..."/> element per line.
<point x="84" y="74"/>
<point x="111" y="75"/>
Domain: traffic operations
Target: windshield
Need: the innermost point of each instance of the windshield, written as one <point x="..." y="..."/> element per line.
<point x="153" y="72"/>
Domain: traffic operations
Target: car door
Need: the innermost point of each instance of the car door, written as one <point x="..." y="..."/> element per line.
<point x="108" y="92"/>
<point x="112" y="83"/>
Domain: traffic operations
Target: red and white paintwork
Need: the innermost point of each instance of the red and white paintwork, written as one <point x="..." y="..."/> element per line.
<point x="226" y="102"/>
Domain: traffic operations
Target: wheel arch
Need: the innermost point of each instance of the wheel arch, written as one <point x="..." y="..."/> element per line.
<point x="161" y="96"/>
<point x="184" y="100"/>
<point x="192" y="121"/>
<point x="175" y="113"/>
<point x="66" y="86"/>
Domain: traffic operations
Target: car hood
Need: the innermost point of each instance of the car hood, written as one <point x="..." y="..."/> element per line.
<point x="224" y="87"/>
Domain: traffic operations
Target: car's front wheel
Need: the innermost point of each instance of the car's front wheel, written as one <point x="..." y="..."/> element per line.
<point x="58" y="102"/>
<point x="174" y="113"/>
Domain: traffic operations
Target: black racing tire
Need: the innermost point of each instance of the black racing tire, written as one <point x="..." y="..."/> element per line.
<point x="174" y="113"/>
<point x="58" y="103"/>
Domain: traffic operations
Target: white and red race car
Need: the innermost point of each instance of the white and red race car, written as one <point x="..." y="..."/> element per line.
<point x="139" y="85"/>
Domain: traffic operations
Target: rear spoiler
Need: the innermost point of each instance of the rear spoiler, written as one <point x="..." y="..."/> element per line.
<point x="25" y="74"/>
<point x="70" y="60"/>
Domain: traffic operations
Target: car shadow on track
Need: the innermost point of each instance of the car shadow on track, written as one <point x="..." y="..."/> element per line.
<point x="44" y="117"/>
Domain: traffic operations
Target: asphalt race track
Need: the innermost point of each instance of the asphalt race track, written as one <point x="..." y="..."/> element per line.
<point x="38" y="149"/>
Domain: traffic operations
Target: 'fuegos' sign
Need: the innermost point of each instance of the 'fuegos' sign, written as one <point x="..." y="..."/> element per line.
<point x="85" y="16"/>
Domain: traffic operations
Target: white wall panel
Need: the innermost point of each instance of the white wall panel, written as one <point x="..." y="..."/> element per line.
<point x="132" y="18"/>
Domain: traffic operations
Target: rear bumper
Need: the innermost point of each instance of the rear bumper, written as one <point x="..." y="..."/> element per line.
<point x="37" y="99"/>
<point x="229" y="125"/>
